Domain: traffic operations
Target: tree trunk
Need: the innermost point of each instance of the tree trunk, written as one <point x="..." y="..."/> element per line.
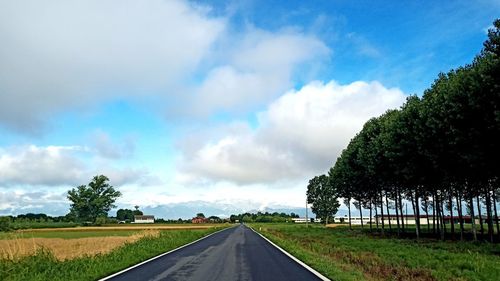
<point x="489" y="217"/>
<point x="401" y="212"/>
<point x="361" y="214"/>
<point x="382" y="210"/>
<point x="396" y="204"/>
<point x="427" y="215"/>
<point x="438" y="215"/>
<point x="388" y="213"/>
<point x="460" y="216"/>
<point x="496" y="215"/>
<point x="414" y="214"/>
<point x="473" y="219"/>
<point x="376" y="215"/>
<point x="480" y="217"/>
<point x="452" y="223"/>
<point x="349" y="209"/>
<point x="371" y="217"/>
<point x="443" y="225"/>
<point x="433" y="213"/>
<point x="417" y="207"/>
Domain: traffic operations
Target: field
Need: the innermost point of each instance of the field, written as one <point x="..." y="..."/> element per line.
<point x="341" y="254"/>
<point x="88" y="253"/>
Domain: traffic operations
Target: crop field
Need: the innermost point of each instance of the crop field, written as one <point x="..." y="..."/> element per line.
<point x="341" y="254"/>
<point x="88" y="253"/>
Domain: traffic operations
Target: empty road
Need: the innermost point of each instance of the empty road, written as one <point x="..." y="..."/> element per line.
<point x="233" y="254"/>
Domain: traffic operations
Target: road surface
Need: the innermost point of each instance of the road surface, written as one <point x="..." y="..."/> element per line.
<point x="237" y="253"/>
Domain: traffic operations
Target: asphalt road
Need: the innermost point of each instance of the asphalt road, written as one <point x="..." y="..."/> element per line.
<point x="233" y="254"/>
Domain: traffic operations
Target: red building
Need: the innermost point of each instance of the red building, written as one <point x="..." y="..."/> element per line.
<point x="199" y="220"/>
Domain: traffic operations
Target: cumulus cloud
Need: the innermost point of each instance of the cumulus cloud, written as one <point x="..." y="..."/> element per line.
<point x="33" y="165"/>
<point x="258" y="67"/>
<point x="106" y="148"/>
<point x="63" y="166"/>
<point x="16" y="202"/>
<point x="299" y="135"/>
<point x="59" y="54"/>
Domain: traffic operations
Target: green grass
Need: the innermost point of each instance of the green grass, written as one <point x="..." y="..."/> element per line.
<point x="43" y="266"/>
<point x="31" y="225"/>
<point x="341" y="254"/>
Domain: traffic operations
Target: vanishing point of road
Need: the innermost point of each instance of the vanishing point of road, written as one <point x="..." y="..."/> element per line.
<point x="236" y="253"/>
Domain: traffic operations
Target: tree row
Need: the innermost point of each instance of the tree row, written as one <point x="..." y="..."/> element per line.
<point x="438" y="153"/>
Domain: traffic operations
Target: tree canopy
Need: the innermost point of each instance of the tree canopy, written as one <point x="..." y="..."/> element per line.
<point x="92" y="201"/>
<point x="323" y="197"/>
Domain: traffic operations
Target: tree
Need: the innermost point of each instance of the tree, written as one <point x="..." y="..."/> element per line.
<point x="5" y="223"/>
<point x="200" y="215"/>
<point x="94" y="200"/>
<point x="127" y="214"/>
<point x="323" y="197"/>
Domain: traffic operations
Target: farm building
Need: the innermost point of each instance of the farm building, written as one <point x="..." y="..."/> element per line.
<point x="303" y="220"/>
<point x="423" y="219"/>
<point x="144" y="219"/>
<point x="199" y="220"/>
<point x="354" y="220"/>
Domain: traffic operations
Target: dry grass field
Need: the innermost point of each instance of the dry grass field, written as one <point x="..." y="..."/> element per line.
<point x="63" y="248"/>
<point x="136" y="227"/>
<point x="74" y="242"/>
<point x="88" y="253"/>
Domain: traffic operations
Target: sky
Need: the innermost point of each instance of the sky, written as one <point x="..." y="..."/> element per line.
<point x="215" y="106"/>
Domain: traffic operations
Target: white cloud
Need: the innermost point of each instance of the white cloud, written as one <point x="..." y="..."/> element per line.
<point x="57" y="54"/>
<point x="258" y="67"/>
<point x="363" y="46"/>
<point x="56" y="166"/>
<point x="14" y="202"/>
<point x="106" y="148"/>
<point x="299" y="135"/>
<point x="33" y="165"/>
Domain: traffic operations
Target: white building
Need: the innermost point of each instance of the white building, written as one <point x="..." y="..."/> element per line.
<point x="423" y="219"/>
<point x="303" y="220"/>
<point x="144" y="219"/>
<point x="355" y="220"/>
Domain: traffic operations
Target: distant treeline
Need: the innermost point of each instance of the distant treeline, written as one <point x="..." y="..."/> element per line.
<point x="263" y="217"/>
<point x="31" y="217"/>
<point x="31" y="220"/>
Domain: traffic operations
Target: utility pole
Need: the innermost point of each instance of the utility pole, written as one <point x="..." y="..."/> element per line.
<point x="406" y="215"/>
<point x="307" y="220"/>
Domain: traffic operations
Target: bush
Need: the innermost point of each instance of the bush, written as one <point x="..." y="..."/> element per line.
<point x="100" y="221"/>
<point x="5" y="224"/>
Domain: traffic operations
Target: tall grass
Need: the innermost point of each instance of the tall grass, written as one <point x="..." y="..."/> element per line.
<point x="33" y="225"/>
<point x="44" y="266"/>
<point x="341" y="254"/>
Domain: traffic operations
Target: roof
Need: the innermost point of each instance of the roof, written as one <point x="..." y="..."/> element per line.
<point x="144" y="217"/>
<point x="421" y="216"/>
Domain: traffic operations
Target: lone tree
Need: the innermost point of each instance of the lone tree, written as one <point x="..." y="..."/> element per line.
<point x="323" y="197"/>
<point x="89" y="203"/>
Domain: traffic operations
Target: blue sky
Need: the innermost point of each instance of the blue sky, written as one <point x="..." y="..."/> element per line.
<point x="231" y="105"/>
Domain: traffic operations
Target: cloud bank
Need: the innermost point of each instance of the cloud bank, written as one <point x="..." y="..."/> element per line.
<point x="299" y="135"/>
<point x="60" y="57"/>
<point x="55" y="166"/>
<point x="57" y="55"/>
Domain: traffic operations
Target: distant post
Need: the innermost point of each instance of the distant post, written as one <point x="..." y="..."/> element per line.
<point x="307" y="219"/>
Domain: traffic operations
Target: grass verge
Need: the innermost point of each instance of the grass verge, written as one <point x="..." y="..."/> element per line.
<point x="341" y="254"/>
<point x="44" y="266"/>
